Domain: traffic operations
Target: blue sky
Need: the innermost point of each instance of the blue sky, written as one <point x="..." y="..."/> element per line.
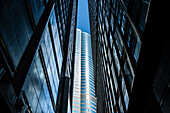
<point x="83" y="22"/>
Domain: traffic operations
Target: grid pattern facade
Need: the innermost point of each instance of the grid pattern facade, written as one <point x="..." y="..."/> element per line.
<point x="84" y="99"/>
<point x="77" y="74"/>
<point x="41" y="86"/>
<point x="120" y="26"/>
<point x="38" y="36"/>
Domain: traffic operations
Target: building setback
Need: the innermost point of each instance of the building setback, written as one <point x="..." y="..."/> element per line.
<point x="84" y="99"/>
<point x="131" y="70"/>
<point x="37" y="55"/>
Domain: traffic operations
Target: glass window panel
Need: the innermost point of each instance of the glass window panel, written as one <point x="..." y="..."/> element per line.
<point x="40" y="69"/>
<point x="128" y="73"/>
<point x="116" y="59"/>
<point x="35" y="79"/>
<point x="39" y="110"/>
<point x="51" y="110"/>
<point x="111" y="41"/>
<point x="84" y="105"/>
<point x="123" y="23"/>
<point x="137" y="49"/>
<point x="30" y="94"/>
<point x="43" y="102"/>
<point x="120" y="105"/>
<point x="118" y="43"/>
<point x="126" y="98"/>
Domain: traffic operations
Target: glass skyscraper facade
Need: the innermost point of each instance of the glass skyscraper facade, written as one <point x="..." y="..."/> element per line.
<point x="35" y="38"/>
<point x="84" y="99"/>
<point x="124" y="52"/>
<point x="119" y="31"/>
<point x="118" y="43"/>
<point x="47" y="66"/>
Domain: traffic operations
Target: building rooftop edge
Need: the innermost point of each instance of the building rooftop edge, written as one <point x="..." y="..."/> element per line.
<point x="83" y="31"/>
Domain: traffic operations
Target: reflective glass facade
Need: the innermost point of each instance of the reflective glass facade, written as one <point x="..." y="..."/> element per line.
<point x="84" y="99"/>
<point x="35" y="38"/>
<point x="120" y="26"/>
<point x="43" y="79"/>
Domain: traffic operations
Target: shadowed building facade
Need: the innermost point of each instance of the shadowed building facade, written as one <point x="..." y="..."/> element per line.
<point x="130" y="61"/>
<point x="37" y="55"/>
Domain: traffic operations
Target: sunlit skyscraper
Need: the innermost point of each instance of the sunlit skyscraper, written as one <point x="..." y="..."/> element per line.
<point x="84" y="99"/>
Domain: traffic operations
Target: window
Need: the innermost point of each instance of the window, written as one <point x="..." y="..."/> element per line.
<point x="123" y="23"/>
<point x="143" y="16"/>
<point x="126" y="99"/>
<point x="31" y="14"/>
<point x="84" y="105"/>
<point x="76" y="107"/>
<point x="128" y="73"/>
<point x="134" y="43"/>
<point x="112" y="22"/>
<point x="118" y="43"/>
<point x="120" y="105"/>
<point x="84" y="109"/>
<point x="137" y="49"/>
<point x="116" y="59"/>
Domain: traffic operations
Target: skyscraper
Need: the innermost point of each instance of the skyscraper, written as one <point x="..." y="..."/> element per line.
<point x="37" y="55"/>
<point x="127" y="56"/>
<point x="84" y="99"/>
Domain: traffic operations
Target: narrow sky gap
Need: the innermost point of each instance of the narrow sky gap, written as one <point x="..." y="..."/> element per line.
<point x="83" y="16"/>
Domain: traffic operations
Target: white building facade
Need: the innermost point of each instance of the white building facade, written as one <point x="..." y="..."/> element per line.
<point x="84" y="99"/>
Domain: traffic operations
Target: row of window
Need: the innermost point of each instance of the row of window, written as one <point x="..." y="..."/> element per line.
<point x="36" y="89"/>
<point x="86" y="63"/>
<point x="107" y="61"/>
<point x="50" y="62"/>
<point x="39" y="83"/>
<point x="120" y="43"/>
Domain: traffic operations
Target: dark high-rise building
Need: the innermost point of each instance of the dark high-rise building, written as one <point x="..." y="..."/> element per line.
<point x="37" y="55"/>
<point x="131" y="69"/>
